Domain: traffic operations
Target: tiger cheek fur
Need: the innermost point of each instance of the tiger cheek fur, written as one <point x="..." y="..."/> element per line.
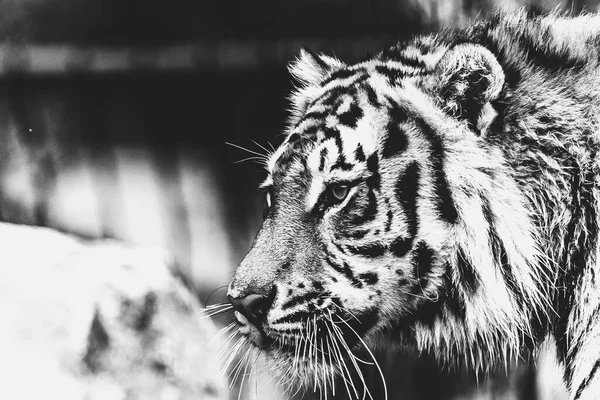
<point x="443" y="194"/>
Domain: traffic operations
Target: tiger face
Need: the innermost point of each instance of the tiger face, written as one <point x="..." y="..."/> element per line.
<point x="382" y="211"/>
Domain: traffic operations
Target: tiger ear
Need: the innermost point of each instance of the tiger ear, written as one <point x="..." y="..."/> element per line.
<point x="310" y="68"/>
<point x="468" y="78"/>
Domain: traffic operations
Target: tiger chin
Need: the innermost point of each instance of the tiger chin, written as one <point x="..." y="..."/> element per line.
<point x="444" y="194"/>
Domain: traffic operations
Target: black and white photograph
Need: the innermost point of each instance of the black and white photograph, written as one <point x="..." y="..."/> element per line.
<point x="300" y="200"/>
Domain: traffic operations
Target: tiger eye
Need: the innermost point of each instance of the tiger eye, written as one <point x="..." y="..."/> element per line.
<point x="340" y="192"/>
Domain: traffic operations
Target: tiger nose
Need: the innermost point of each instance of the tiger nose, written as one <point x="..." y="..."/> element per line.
<point x="253" y="306"/>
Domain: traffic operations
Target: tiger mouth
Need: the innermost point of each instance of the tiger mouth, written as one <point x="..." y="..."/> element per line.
<point x="314" y="350"/>
<point x="326" y="333"/>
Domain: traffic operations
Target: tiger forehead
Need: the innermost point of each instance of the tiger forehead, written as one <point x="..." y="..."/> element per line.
<point x="341" y="124"/>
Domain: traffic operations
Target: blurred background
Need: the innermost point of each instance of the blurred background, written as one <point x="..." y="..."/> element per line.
<point x="115" y="114"/>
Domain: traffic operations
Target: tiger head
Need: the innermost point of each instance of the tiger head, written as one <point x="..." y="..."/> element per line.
<point x="390" y="214"/>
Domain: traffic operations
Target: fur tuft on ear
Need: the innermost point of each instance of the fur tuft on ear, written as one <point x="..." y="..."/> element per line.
<point x="468" y="78"/>
<point x="310" y="68"/>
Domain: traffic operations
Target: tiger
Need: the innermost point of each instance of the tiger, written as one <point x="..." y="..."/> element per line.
<point x="443" y="195"/>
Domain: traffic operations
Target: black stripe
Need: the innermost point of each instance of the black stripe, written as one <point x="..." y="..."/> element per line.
<point x="406" y="192"/>
<point x="342" y="74"/>
<point x="371" y="250"/>
<point x="395" y="54"/>
<point x="341" y="162"/>
<point x="592" y="320"/>
<point x="340" y="247"/>
<point x="351" y="116"/>
<point x="344" y="270"/>
<point x="370" y="278"/>
<point x="348" y="272"/>
<point x="360" y="81"/>
<point x="340" y="146"/>
<point x="584" y="384"/>
<point x="359" y="153"/>
<point x="294" y="301"/>
<point x="444" y="201"/>
<point x="323" y="156"/>
<point x="331" y="133"/>
<point x="499" y="252"/>
<point x="401" y="246"/>
<point x="298" y="316"/>
<point x="374" y="180"/>
<point x="402" y="281"/>
<point x="469" y="277"/>
<point x="294" y="137"/>
<point x="395" y="140"/>
<point x="576" y="242"/>
<point x="411" y="62"/>
<point x="311" y="131"/>
<point x="358" y="233"/>
<point x="368" y="214"/>
<point x="422" y="263"/>
<point x="372" y="96"/>
<point x="389" y="218"/>
<point x="316" y="115"/>
<point x="334" y="96"/>
<point x="455" y="304"/>
<point x="290" y="331"/>
<point x="393" y="75"/>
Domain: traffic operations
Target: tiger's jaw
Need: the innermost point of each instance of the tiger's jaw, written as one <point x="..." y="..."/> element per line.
<point x="316" y="350"/>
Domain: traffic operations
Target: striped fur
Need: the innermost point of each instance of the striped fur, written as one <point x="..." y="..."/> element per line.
<point x="471" y="221"/>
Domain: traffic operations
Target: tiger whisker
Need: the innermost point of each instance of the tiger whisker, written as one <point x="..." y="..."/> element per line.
<point x="235" y="371"/>
<point x="244" y="374"/>
<point x="339" y="359"/>
<point x="268" y="152"/>
<point x="362" y="361"/>
<point x="217" y="305"/>
<point x="223" y="331"/>
<point x="260" y="372"/>
<point x="232" y="353"/>
<point x="343" y="309"/>
<point x="245" y="149"/>
<point x="260" y="160"/>
<point x="287" y="384"/>
<point x="298" y="388"/>
<point x="306" y="340"/>
<point x="224" y="353"/>
<point x="313" y="354"/>
<point x="227" y="342"/>
<point x="353" y="360"/>
<point x="233" y="375"/>
<point x="424" y="297"/>
<point x="331" y="370"/>
<point x="215" y="312"/>
<point x="227" y="351"/>
<point x="324" y="364"/>
<point x="374" y="360"/>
